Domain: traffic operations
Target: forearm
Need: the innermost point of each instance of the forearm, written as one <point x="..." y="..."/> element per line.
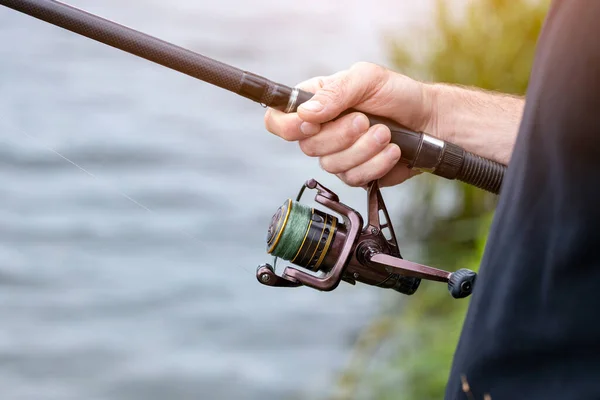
<point x="484" y="123"/>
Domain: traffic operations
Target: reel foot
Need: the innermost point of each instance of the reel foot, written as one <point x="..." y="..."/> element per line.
<point x="461" y="283"/>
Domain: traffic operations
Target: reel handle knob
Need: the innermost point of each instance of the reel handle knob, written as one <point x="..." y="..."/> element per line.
<point x="461" y="283"/>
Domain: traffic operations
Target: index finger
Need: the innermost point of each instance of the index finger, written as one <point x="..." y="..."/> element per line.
<point x="287" y="126"/>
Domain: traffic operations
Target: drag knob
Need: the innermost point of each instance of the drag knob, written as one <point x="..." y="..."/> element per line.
<point x="461" y="283"/>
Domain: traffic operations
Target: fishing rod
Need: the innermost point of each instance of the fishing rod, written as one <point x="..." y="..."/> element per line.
<point x="419" y="150"/>
<point x="328" y="249"/>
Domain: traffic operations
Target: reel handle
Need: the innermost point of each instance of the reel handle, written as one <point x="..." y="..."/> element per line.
<point x="460" y="283"/>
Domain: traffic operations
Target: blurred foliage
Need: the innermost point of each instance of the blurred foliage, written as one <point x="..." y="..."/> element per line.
<point x="489" y="44"/>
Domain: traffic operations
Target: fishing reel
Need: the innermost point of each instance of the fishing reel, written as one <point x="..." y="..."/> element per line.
<point x="329" y="250"/>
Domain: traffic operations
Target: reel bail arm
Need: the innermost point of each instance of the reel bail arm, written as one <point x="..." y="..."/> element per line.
<point x="267" y="276"/>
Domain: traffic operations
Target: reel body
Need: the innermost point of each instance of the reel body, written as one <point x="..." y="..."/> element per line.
<point x="329" y="250"/>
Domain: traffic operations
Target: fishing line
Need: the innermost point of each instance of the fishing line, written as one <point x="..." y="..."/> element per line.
<point x="112" y="187"/>
<point x="295" y="229"/>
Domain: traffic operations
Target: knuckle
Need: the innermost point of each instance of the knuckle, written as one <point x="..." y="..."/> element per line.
<point x="289" y="132"/>
<point x="308" y="148"/>
<point x="368" y="68"/>
<point x="347" y="136"/>
<point x="285" y="135"/>
<point x="324" y="164"/>
<point x="354" y="179"/>
<point x="328" y="165"/>
<point x="376" y="75"/>
<point x="361" y="66"/>
<point x="342" y="176"/>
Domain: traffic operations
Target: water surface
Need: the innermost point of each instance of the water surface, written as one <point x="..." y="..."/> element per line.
<point x="102" y="297"/>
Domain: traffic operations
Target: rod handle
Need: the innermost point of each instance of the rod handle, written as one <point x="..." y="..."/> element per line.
<point x="429" y="154"/>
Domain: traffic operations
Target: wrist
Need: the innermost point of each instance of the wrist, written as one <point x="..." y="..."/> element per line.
<point x="431" y="100"/>
<point x="481" y="122"/>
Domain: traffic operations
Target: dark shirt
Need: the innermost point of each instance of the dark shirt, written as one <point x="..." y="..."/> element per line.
<point x="532" y="330"/>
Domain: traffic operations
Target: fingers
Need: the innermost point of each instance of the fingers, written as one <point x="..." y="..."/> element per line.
<point x="343" y="90"/>
<point x="333" y="95"/>
<point x="334" y="136"/>
<point x="397" y="175"/>
<point x="288" y="126"/>
<point x="347" y="146"/>
<point x="372" y="169"/>
<point x="366" y="147"/>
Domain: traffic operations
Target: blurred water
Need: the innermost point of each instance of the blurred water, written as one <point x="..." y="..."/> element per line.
<point x="103" y="299"/>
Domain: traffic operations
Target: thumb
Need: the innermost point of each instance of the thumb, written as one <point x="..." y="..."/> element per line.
<point x="329" y="101"/>
<point x="340" y="92"/>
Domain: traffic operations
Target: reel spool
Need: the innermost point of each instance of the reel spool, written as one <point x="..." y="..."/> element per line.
<point x="303" y="235"/>
<point x="329" y="250"/>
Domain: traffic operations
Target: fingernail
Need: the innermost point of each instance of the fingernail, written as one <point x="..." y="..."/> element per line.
<point x="312" y="105"/>
<point x="392" y="152"/>
<point x="360" y="123"/>
<point x="309" y="129"/>
<point x="380" y="135"/>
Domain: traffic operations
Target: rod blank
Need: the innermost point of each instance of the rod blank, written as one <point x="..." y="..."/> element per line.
<point x="131" y="41"/>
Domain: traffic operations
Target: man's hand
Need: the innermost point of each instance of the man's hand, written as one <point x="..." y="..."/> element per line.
<point x="483" y="123"/>
<point x="348" y="147"/>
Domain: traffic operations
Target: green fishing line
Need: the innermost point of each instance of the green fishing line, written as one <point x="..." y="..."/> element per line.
<point x="294" y="231"/>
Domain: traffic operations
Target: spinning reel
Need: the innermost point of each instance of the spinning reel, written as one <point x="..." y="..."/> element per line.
<point x="334" y="250"/>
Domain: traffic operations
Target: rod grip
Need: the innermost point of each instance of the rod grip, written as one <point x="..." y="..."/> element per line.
<point x="428" y="154"/>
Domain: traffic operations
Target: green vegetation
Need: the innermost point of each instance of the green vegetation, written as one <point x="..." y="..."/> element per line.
<point x="489" y="45"/>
